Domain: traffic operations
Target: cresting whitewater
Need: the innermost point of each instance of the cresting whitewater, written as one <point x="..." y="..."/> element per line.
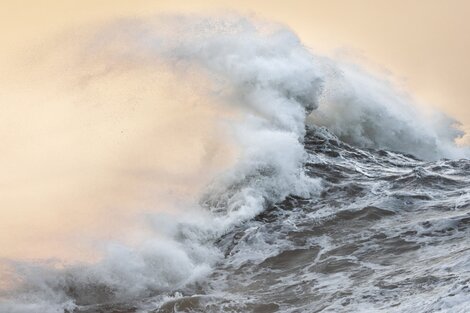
<point x="345" y="195"/>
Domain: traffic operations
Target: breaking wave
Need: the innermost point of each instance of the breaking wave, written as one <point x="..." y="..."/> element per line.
<point x="275" y="87"/>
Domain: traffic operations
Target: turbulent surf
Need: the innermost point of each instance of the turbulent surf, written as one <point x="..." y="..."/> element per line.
<point x="345" y="196"/>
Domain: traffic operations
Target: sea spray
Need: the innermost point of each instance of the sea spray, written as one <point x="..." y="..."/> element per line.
<point x="271" y="81"/>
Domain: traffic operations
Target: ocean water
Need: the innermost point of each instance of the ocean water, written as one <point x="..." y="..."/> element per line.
<point x="346" y="196"/>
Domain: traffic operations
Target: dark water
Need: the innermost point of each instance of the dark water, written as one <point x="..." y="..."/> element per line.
<point x="388" y="233"/>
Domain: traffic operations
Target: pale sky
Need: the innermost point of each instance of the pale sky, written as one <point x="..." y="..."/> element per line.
<point x="60" y="165"/>
<point x="424" y="42"/>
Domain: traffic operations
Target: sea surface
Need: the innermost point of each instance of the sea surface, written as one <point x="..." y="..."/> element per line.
<point x="388" y="233"/>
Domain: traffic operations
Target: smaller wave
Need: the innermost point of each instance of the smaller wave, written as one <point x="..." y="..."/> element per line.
<point x="368" y="112"/>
